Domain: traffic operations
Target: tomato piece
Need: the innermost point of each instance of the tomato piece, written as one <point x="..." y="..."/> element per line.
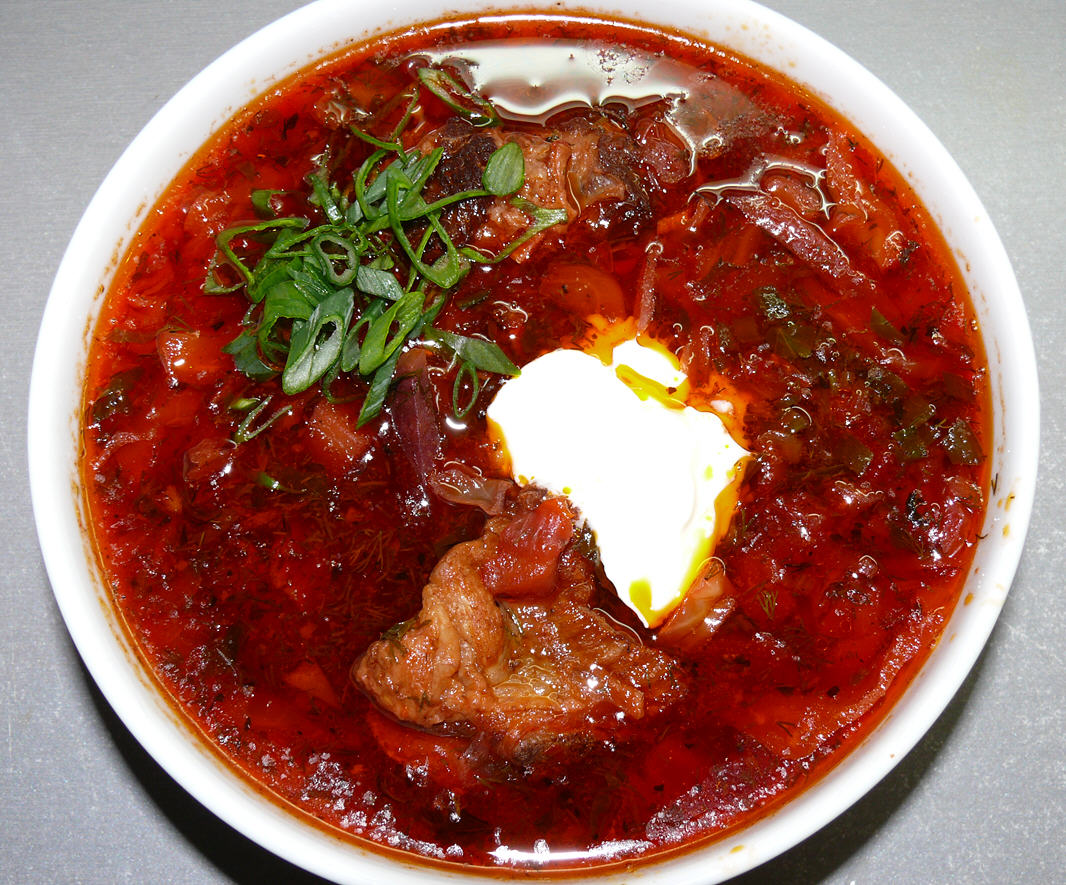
<point x="527" y="557"/>
<point x="192" y="358"/>
<point x="334" y="438"/>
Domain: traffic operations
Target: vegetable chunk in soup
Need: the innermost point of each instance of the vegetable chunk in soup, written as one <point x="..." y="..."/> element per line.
<point x="315" y="536"/>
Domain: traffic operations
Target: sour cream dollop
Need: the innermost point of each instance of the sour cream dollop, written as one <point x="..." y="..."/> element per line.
<point x="655" y="479"/>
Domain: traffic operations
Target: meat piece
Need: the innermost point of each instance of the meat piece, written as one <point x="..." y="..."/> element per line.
<point x="618" y="157"/>
<point x="508" y="648"/>
<point x="466" y="151"/>
<point x="465" y="155"/>
<point x="580" y="163"/>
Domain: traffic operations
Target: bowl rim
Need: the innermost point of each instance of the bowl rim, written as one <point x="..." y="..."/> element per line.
<point x="136" y="182"/>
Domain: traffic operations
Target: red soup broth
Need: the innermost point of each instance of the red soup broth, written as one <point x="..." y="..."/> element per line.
<point x="806" y="283"/>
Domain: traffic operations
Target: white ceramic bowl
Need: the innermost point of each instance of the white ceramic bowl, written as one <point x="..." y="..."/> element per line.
<point x="184" y="124"/>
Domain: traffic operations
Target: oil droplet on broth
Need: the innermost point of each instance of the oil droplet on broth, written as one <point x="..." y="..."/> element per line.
<point x="574" y="74"/>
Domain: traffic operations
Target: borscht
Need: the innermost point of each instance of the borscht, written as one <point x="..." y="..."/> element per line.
<point x="327" y="543"/>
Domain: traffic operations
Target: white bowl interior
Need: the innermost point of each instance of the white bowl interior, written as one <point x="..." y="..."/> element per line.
<point x="179" y="129"/>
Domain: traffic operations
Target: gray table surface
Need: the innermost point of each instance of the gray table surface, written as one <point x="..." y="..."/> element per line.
<point x="982" y="799"/>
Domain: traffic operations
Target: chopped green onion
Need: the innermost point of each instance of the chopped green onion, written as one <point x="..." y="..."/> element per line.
<point x="268" y="482"/>
<point x="261" y="203"/>
<point x="379" y="387"/>
<point x="469" y="372"/>
<point x="477" y="352"/>
<point x="505" y="172"/>
<point x="470" y="105"/>
<point x="248" y="429"/>
<point x="381" y="340"/>
<point x="337" y="257"/>
<point x="316" y="343"/>
<point x="346" y="295"/>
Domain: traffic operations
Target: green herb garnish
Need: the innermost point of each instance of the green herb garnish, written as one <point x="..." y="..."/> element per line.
<point x="884" y="328"/>
<point x="345" y="296"/>
<point x="251" y="426"/>
<point x="767" y="600"/>
<point x="468" y="104"/>
<point x="773" y="306"/>
<point x="473" y="354"/>
<point x="961" y="444"/>
<point x="854" y="454"/>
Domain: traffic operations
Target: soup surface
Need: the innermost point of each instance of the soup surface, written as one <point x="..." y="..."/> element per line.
<point x="269" y="518"/>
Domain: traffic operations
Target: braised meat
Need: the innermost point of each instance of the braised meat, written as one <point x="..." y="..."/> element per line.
<point x="507" y="645"/>
<point x="585" y="160"/>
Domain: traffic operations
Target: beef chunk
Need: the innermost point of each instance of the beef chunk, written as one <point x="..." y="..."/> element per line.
<point x="584" y="161"/>
<point x="507" y="647"/>
<point x="466" y="154"/>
